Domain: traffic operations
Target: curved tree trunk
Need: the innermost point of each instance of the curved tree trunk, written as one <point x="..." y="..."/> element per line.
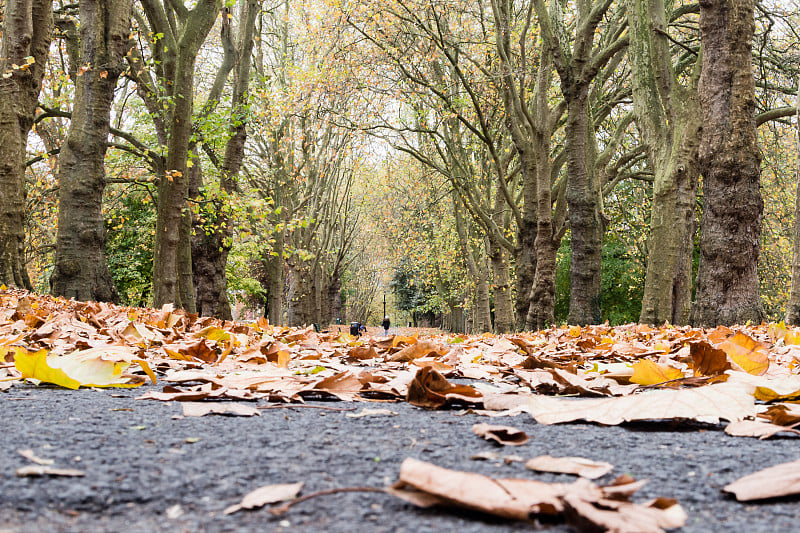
<point x="81" y="270"/>
<point x="27" y="29"/>
<point x="727" y="278"/>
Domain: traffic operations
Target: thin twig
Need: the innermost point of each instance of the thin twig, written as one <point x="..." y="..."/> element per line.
<point x="278" y="511"/>
<point x="291" y="405"/>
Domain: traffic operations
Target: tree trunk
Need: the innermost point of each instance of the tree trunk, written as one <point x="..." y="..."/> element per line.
<point x="209" y="269"/>
<point x="669" y="118"/>
<point x="81" y="270"/>
<point x="585" y="213"/>
<point x="27" y="27"/>
<point x="172" y="265"/>
<point x="525" y="252"/>
<point x="793" y="305"/>
<point x="482" y="314"/>
<point x="727" y="278"/>
<point x="501" y="288"/>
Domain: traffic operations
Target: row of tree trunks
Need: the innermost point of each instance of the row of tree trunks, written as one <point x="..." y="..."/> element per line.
<point x="81" y="270"/>
<point x="27" y="28"/>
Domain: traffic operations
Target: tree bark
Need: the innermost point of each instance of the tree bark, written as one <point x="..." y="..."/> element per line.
<point x="669" y="118"/>
<point x="27" y="30"/>
<point x="81" y="270"/>
<point x="172" y="274"/>
<point x="793" y="305"/>
<point x="211" y="248"/>
<point x="586" y="221"/>
<point x="727" y="278"/>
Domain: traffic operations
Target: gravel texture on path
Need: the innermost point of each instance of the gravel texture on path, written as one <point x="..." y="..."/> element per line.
<point x="141" y="460"/>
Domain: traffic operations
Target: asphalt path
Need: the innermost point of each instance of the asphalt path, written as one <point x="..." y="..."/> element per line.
<point x="148" y="469"/>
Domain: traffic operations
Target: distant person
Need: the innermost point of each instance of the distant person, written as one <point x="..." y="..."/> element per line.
<point x="386" y="325"/>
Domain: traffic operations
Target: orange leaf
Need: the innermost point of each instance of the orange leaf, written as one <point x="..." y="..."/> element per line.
<point x="747" y="353"/>
<point x="646" y="372"/>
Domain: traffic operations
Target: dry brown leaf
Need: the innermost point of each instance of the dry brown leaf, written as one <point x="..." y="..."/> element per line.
<point x="578" y="466"/>
<point x="371" y="412"/>
<point x="782" y="414"/>
<point x="431" y="390"/>
<point x="754" y="428"/>
<point x="509" y="498"/>
<point x="267" y="494"/>
<point x="623" y="517"/>
<point x="30" y="456"/>
<point x="44" y="470"/>
<point x="218" y="408"/>
<point x="505" y="435"/>
<point x="414" y="351"/>
<point x="705" y="404"/>
<point x="707" y="360"/>
<point x="774" y="482"/>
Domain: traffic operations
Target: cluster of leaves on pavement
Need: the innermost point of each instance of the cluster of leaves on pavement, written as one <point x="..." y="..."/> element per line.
<point x="747" y="377"/>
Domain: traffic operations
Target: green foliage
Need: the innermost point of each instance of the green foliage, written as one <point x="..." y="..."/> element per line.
<point x="129" y="245"/>
<point x="622" y="286"/>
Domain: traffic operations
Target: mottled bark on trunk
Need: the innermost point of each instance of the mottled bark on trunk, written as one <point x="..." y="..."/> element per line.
<point x="793" y="305"/>
<point x="501" y="288"/>
<point x="668" y="283"/>
<point x="669" y="118"/>
<point x="27" y="27"/>
<point x="172" y="265"/>
<point x="585" y="214"/>
<point x="80" y="269"/>
<point x="481" y="315"/>
<point x="727" y="278"/>
<point x="525" y="253"/>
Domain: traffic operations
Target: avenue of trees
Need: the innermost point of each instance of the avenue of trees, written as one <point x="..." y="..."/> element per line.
<point x="491" y="165"/>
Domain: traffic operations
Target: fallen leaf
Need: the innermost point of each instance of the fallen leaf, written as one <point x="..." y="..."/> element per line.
<point x="96" y="367"/>
<point x="611" y="515"/>
<point x="42" y="470"/>
<point x="267" y="494"/>
<point x="707" y="360"/>
<point x="646" y="372"/>
<point x="774" y="482"/>
<point x="505" y="435"/>
<point x="754" y="428"/>
<point x="30" y="456"/>
<point x="371" y="412"/>
<point x="431" y="390"/>
<point x="747" y="353"/>
<point x="578" y="466"/>
<point x="704" y="404"/>
<point x="508" y="498"/>
<point x="218" y="408"/>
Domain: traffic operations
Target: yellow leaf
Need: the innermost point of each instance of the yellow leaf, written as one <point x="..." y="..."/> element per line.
<point x="575" y="331"/>
<point x="765" y="394"/>
<point x="97" y="367"/>
<point x="30" y="60"/>
<point x="646" y="372"/>
<point x="792" y="337"/>
<point x="749" y="354"/>
<point x="34" y="366"/>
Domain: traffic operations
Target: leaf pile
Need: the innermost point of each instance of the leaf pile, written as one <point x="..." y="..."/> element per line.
<point x="613" y="374"/>
<point x="748" y="376"/>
